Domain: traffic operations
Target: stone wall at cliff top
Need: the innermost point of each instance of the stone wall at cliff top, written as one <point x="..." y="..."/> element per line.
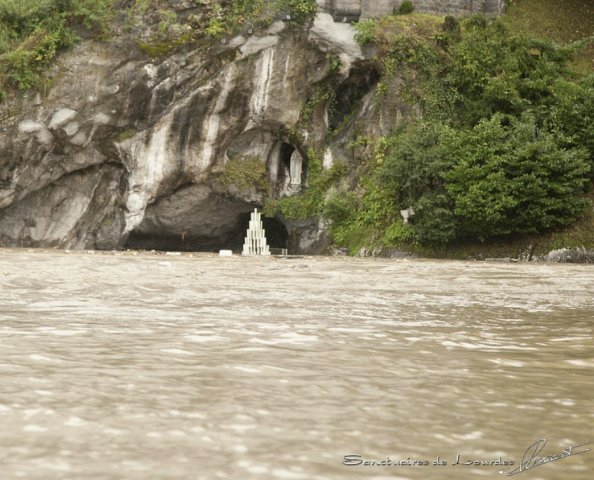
<point x="354" y="9"/>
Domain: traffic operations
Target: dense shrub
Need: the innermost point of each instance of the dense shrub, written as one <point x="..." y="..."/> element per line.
<point x="33" y="31"/>
<point x="365" y="31"/>
<point x="514" y="178"/>
<point x="501" y="177"/>
<point x="299" y="10"/>
<point x="571" y="112"/>
<point x="405" y="7"/>
<point x="515" y="151"/>
<point x="434" y="222"/>
<point x="338" y="207"/>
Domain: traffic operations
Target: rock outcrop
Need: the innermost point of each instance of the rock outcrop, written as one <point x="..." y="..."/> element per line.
<point x="570" y="255"/>
<point x="125" y="150"/>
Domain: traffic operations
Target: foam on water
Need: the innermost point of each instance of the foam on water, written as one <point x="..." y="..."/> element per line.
<point x="589" y="363"/>
<point x="287" y="338"/>
<point x="507" y="362"/>
<point x="242" y="368"/>
<point x="34" y="428"/>
<point x="205" y="338"/>
<point x="60" y="332"/>
<point x="176" y="351"/>
<point x="75" y="422"/>
<point x="42" y="358"/>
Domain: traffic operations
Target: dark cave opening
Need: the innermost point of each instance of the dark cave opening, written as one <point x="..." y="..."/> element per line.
<point x="231" y="239"/>
<point x="277" y="235"/>
<point x="183" y="242"/>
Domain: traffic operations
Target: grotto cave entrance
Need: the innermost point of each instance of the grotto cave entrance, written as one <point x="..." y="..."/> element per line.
<point x="277" y="235"/>
<point x="229" y="237"/>
<point x="183" y="242"/>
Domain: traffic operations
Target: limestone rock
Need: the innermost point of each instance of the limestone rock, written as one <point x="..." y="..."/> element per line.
<point x="126" y="151"/>
<point x="62" y="116"/>
<point x="571" y="255"/>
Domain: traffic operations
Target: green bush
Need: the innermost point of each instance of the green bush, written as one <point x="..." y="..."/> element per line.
<point x="372" y="210"/>
<point x="338" y="207"/>
<point x="415" y="163"/>
<point x="33" y="31"/>
<point x="434" y="222"/>
<point x="20" y="17"/>
<point x="571" y="112"/>
<point x="494" y="71"/>
<point x="245" y="174"/>
<point x="300" y="10"/>
<point x="504" y="176"/>
<point x="505" y="146"/>
<point x="93" y="14"/>
<point x="24" y="66"/>
<point x="405" y="8"/>
<point x="365" y="31"/>
<point x="514" y="178"/>
<point x="399" y="232"/>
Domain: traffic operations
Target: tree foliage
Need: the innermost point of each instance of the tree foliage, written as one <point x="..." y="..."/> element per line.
<point x="516" y="154"/>
<point x="513" y="178"/>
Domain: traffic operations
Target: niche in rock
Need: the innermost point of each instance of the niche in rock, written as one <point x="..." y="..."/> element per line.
<point x="361" y="81"/>
<point x="294" y="166"/>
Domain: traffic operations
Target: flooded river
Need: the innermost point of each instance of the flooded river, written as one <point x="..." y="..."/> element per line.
<point x="139" y="366"/>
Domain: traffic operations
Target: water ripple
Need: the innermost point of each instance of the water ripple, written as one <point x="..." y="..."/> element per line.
<point x="184" y="367"/>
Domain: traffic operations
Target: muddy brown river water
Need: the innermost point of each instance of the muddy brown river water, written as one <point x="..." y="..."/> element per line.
<point x="139" y="366"/>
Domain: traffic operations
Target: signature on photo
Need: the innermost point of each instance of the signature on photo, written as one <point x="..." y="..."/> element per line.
<point x="532" y="456"/>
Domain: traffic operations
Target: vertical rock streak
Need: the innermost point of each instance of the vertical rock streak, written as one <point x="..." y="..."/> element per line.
<point x="211" y="130"/>
<point x="148" y="172"/>
<point x="262" y="85"/>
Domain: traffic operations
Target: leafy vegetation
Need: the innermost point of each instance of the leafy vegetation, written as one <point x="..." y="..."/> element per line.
<point x="406" y="7"/>
<point x="504" y="147"/>
<point x="212" y="20"/>
<point x="365" y="31"/>
<point x="244" y="174"/>
<point x="500" y="177"/>
<point x="299" y="10"/>
<point x="312" y="202"/>
<point x="562" y="22"/>
<point x="32" y="32"/>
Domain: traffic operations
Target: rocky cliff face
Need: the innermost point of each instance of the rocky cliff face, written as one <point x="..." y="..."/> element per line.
<point x="128" y="151"/>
